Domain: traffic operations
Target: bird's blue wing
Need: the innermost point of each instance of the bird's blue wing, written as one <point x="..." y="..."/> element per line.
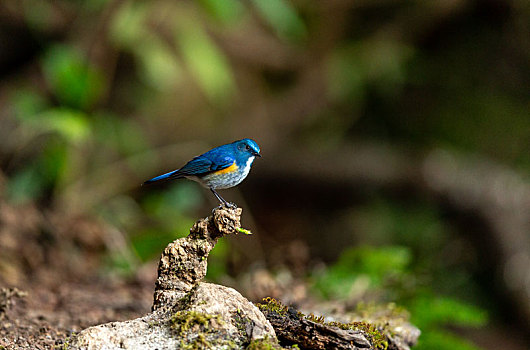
<point x="214" y="160"/>
<point x="206" y="163"/>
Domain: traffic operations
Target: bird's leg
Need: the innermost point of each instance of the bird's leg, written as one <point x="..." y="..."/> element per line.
<point x="222" y="200"/>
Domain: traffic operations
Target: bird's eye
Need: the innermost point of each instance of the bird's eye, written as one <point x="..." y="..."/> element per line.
<point x="247" y="147"/>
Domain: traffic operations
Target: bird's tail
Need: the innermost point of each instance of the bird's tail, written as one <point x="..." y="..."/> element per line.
<point x="165" y="177"/>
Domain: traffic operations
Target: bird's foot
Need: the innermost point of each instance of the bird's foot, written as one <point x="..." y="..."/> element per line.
<point x="230" y="205"/>
<point x="225" y="205"/>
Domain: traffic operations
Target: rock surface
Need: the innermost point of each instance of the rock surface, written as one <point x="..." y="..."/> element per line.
<point x="211" y="316"/>
<point x="187" y="313"/>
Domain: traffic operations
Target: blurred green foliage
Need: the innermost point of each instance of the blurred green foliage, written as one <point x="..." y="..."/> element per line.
<point x="425" y="273"/>
<point x="387" y="271"/>
<point x="71" y="78"/>
<point x="205" y="61"/>
<point x="226" y="11"/>
<point x="368" y="266"/>
<point x="282" y="17"/>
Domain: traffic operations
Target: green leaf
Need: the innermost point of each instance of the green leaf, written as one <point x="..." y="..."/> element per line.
<point x="39" y="15"/>
<point x="41" y="174"/>
<point x="74" y="126"/>
<point x="169" y="206"/>
<point x="128" y="25"/>
<point x="26" y="185"/>
<point x="345" y="76"/>
<point x="378" y="62"/>
<point x="159" y="66"/>
<point x="150" y="242"/>
<point x="225" y="11"/>
<point x="27" y="104"/>
<point x="207" y="64"/>
<point x="122" y="135"/>
<point x="72" y="80"/>
<point x="430" y="310"/>
<point x="54" y="160"/>
<point x="443" y="340"/>
<point x="361" y="268"/>
<point x="376" y="262"/>
<point x="281" y="16"/>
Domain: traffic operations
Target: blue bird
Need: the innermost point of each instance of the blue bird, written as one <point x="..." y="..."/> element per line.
<point x="222" y="167"/>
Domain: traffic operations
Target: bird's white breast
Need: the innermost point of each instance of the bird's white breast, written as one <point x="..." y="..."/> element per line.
<point x="227" y="180"/>
<point x="246" y="169"/>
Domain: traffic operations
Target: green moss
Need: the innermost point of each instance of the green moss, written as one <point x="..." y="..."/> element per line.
<point x="263" y="344"/>
<point x="152" y="324"/>
<point x="199" y="343"/>
<point x="183" y="321"/>
<point x="375" y="336"/>
<point x="273" y="305"/>
<point x="56" y="347"/>
<point x="185" y="302"/>
<point x="240" y="322"/>
<point x="199" y="330"/>
<point x="312" y="317"/>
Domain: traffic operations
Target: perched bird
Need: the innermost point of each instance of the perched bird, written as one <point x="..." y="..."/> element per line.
<point x="222" y="167"/>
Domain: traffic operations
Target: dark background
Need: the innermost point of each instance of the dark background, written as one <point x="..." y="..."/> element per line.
<point x="395" y="138"/>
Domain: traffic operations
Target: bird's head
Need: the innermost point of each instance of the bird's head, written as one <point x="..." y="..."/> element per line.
<point x="248" y="147"/>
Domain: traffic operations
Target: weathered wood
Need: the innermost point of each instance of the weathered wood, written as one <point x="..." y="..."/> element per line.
<point x="390" y="332"/>
<point x="290" y="327"/>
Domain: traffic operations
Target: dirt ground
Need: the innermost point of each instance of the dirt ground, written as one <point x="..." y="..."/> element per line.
<point x="51" y="284"/>
<point x="46" y="317"/>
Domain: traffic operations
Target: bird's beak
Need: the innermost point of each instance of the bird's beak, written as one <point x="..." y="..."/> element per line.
<point x="258" y="155"/>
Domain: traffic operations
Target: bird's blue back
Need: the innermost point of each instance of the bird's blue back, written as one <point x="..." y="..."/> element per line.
<point x="215" y="160"/>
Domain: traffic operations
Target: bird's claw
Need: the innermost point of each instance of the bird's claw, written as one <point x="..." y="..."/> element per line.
<point x="225" y="205"/>
<point x="230" y="205"/>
